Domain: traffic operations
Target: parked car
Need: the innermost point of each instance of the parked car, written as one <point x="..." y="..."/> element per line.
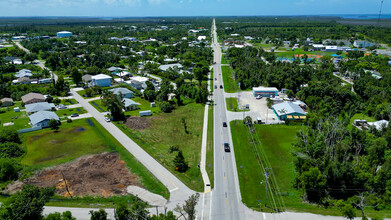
<point x="74" y="115"/>
<point x="221" y="86"/>
<point x="215" y="87"/>
<point x="258" y="97"/>
<point x="107" y="119"/>
<point x="226" y="147"/>
<point x="224" y="124"/>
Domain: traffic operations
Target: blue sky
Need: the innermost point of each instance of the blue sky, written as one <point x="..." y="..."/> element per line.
<point x="138" y="8"/>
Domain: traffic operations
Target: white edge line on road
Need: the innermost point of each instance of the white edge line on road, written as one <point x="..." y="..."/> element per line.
<point x="202" y="207"/>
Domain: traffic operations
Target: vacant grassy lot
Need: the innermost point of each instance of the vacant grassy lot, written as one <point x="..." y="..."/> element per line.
<point x="20" y="122"/>
<point x="145" y="105"/>
<point x="277" y="143"/>
<point x="232" y="105"/>
<point x="81" y="137"/>
<point x="168" y="129"/>
<point x="223" y="60"/>
<point x="230" y="84"/>
<point x="209" y="148"/>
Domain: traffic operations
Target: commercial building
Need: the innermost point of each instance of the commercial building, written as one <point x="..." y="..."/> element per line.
<point x="331" y="49"/>
<point x="265" y="91"/>
<point x="289" y="111"/>
<point x="63" y="34"/>
<point x="362" y="44"/>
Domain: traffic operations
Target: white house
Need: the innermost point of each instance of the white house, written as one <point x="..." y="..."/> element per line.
<point x="331" y="49"/>
<point x="200" y="38"/>
<point x="137" y="82"/>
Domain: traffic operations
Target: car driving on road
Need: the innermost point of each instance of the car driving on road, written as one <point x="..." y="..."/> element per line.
<point x="226" y="147"/>
<point x="224" y="124"/>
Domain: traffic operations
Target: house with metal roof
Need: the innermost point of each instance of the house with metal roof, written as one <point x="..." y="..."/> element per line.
<point x="122" y="92"/>
<point x="289" y="111"/>
<point x="130" y="105"/>
<point x="168" y="66"/>
<point x="39" y="106"/>
<point x="102" y="80"/>
<point x="23" y="73"/>
<point x="42" y="118"/>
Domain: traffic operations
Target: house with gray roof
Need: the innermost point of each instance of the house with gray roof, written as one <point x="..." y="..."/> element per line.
<point x="130" y="105"/>
<point x="289" y="111"/>
<point x="23" y="73"/>
<point x="124" y="92"/>
<point x="168" y="66"/>
<point x="42" y="118"/>
<point x="39" y="106"/>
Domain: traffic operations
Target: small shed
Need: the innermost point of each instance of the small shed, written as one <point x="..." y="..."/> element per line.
<point x="145" y="113"/>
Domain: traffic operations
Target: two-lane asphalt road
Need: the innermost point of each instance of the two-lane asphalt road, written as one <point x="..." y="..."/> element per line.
<point x="225" y="199"/>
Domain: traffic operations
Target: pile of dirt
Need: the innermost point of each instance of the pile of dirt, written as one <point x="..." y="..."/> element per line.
<point x="138" y="123"/>
<point x="101" y="174"/>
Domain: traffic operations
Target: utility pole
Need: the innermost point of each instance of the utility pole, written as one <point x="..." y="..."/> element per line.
<point x="267" y="174"/>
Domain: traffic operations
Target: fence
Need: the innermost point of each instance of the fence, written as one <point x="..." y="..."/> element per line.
<point x="36" y="128"/>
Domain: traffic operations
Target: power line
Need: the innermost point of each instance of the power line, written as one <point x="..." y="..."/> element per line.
<point x="381" y="7"/>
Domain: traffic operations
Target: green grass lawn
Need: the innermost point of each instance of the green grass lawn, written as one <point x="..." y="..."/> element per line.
<point x="230" y="84"/>
<point x="232" y="105"/>
<point x="20" y="122"/>
<point x="69" y="101"/>
<point x="69" y="111"/>
<point x="223" y="60"/>
<point x="209" y="148"/>
<point x="81" y="137"/>
<point x="166" y="130"/>
<point x="291" y="54"/>
<point x="277" y="144"/>
<point x="83" y="92"/>
<point x="145" y="105"/>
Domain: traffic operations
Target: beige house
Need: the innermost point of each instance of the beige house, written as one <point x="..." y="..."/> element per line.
<point x="7" y="102"/>
<point x="32" y="98"/>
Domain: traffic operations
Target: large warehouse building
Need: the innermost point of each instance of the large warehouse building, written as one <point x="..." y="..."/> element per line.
<point x="289" y="111"/>
<point x="62" y="34"/>
<point x="265" y="91"/>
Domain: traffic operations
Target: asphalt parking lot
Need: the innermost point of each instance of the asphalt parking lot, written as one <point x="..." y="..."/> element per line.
<point x="258" y="108"/>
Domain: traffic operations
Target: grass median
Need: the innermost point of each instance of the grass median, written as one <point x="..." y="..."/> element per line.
<point x="209" y="148"/>
<point x="230" y="85"/>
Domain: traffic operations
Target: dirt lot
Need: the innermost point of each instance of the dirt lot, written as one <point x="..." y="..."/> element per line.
<point x="138" y="123"/>
<point x="101" y="174"/>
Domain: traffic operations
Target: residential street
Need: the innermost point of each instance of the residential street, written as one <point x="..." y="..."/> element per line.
<point x="39" y="63"/>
